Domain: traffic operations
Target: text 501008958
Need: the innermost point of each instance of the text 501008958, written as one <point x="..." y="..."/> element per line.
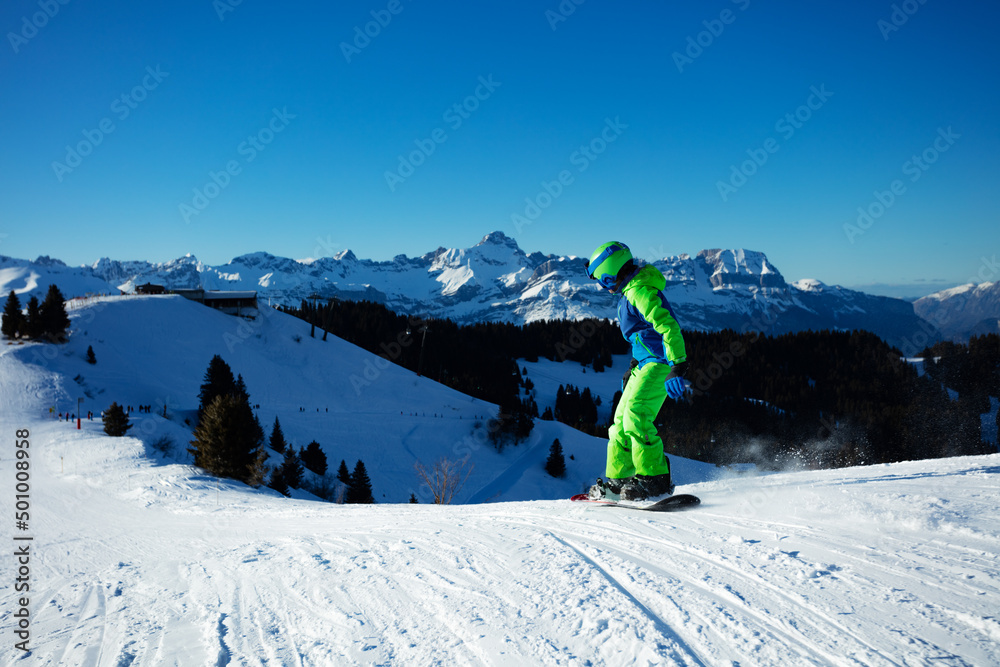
<point x="22" y="541"/>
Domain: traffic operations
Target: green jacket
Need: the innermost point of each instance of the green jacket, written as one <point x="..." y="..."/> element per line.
<point x="647" y="320"/>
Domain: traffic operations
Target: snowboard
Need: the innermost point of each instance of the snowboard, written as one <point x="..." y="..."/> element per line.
<point x="678" y="503"/>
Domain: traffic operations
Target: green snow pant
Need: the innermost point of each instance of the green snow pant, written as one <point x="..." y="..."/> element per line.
<point x="634" y="448"/>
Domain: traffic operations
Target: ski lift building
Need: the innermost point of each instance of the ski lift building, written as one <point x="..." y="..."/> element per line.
<point x="236" y="302"/>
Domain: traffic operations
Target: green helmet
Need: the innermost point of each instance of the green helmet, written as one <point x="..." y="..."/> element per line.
<point x="607" y="261"/>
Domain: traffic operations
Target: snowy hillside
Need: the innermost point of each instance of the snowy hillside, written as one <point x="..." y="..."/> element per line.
<point x="138" y="560"/>
<point x="496" y="280"/>
<point x="156" y="349"/>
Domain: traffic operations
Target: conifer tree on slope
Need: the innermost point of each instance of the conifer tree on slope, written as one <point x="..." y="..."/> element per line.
<point x="13" y="319"/>
<point x="218" y="381"/>
<point x="34" y="328"/>
<point x="240" y="389"/>
<point x="360" y="490"/>
<point x="225" y="441"/>
<point x="258" y="430"/>
<point x="313" y="458"/>
<point x="291" y="468"/>
<point x="55" y="321"/>
<point x="343" y="474"/>
<point x="277" y="442"/>
<point x="116" y="421"/>
<point x="244" y="395"/>
<point x="277" y="482"/>
<point x="344" y="477"/>
<point x="255" y="436"/>
<point x="556" y="464"/>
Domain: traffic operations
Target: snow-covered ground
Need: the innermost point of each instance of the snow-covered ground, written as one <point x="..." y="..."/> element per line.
<point x="155" y="349"/>
<point x="142" y="560"/>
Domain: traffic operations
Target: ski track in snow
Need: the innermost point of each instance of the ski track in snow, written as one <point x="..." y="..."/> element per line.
<point x="297" y="583"/>
<point x="146" y="562"/>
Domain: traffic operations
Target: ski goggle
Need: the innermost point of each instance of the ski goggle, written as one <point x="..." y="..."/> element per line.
<point x="607" y="281"/>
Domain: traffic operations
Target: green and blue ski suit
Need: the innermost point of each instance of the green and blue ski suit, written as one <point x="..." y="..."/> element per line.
<point x="648" y="323"/>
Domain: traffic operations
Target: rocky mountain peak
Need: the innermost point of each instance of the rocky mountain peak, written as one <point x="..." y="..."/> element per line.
<point x="729" y="268"/>
<point x="499" y="238"/>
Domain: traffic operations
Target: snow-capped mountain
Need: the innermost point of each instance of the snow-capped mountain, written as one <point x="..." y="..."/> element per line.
<point x="496" y="280"/>
<point x="741" y="290"/>
<point x="963" y="311"/>
<point x="185" y="272"/>
<point x="28" y="278"/>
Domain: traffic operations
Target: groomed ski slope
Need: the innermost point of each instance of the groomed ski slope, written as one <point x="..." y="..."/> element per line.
<point x="139" y="564"/>
<point x="139" y="560"/>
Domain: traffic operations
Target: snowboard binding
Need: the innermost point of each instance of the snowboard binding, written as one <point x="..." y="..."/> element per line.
<point x="606" y="489"/>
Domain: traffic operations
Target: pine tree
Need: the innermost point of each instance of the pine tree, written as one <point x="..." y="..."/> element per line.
<point x="116" y="421"/>
<point x="217" y="382"/>
<point x="257" y="470"/>
<point x="33" y="325"/>
<point x="524" y="426"/>
<point x="291" y="468"/>
<point x="313" y="458"/>
<point x="588" y="411"/>
<point x="343" y="474"/>
<point x="215" y="436"/>
<point x="257" y="467"/>
<point x="556" y="464"/>
<point x="277" y="442"/>
<point x="226" y="442"/>
<point x="240" y="388"/>
<point x="13" y="319"/>
<point x="413" y="499"/>
<point x="360" y="490"/>
<point x="55" y="321"/>
<point x="258" y="431"/>
<point x="91" y="357"/>
<point x="278" y="482"/>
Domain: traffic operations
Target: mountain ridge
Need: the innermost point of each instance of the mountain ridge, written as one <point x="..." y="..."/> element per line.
<point x="963" y="311"/>
<point x="495" y="280"/>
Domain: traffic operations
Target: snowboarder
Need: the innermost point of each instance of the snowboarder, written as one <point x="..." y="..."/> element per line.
<point x="637" y="468"/>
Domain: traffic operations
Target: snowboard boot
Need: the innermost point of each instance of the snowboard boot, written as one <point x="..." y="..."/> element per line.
<point x="642" y="487"/>
<point x="607" y="489"/>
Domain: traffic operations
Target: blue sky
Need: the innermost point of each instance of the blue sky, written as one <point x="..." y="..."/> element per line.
<point x="141" y="131"/>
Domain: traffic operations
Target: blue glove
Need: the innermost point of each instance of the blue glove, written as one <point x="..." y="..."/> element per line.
<point x="675" y="387"/>
<point x="675" y="381"/>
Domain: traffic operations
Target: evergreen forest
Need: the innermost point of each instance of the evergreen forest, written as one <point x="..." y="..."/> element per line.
<point x="813" y="399"/>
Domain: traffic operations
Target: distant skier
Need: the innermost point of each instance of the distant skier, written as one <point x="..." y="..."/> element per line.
<point x="637" y="468"/>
